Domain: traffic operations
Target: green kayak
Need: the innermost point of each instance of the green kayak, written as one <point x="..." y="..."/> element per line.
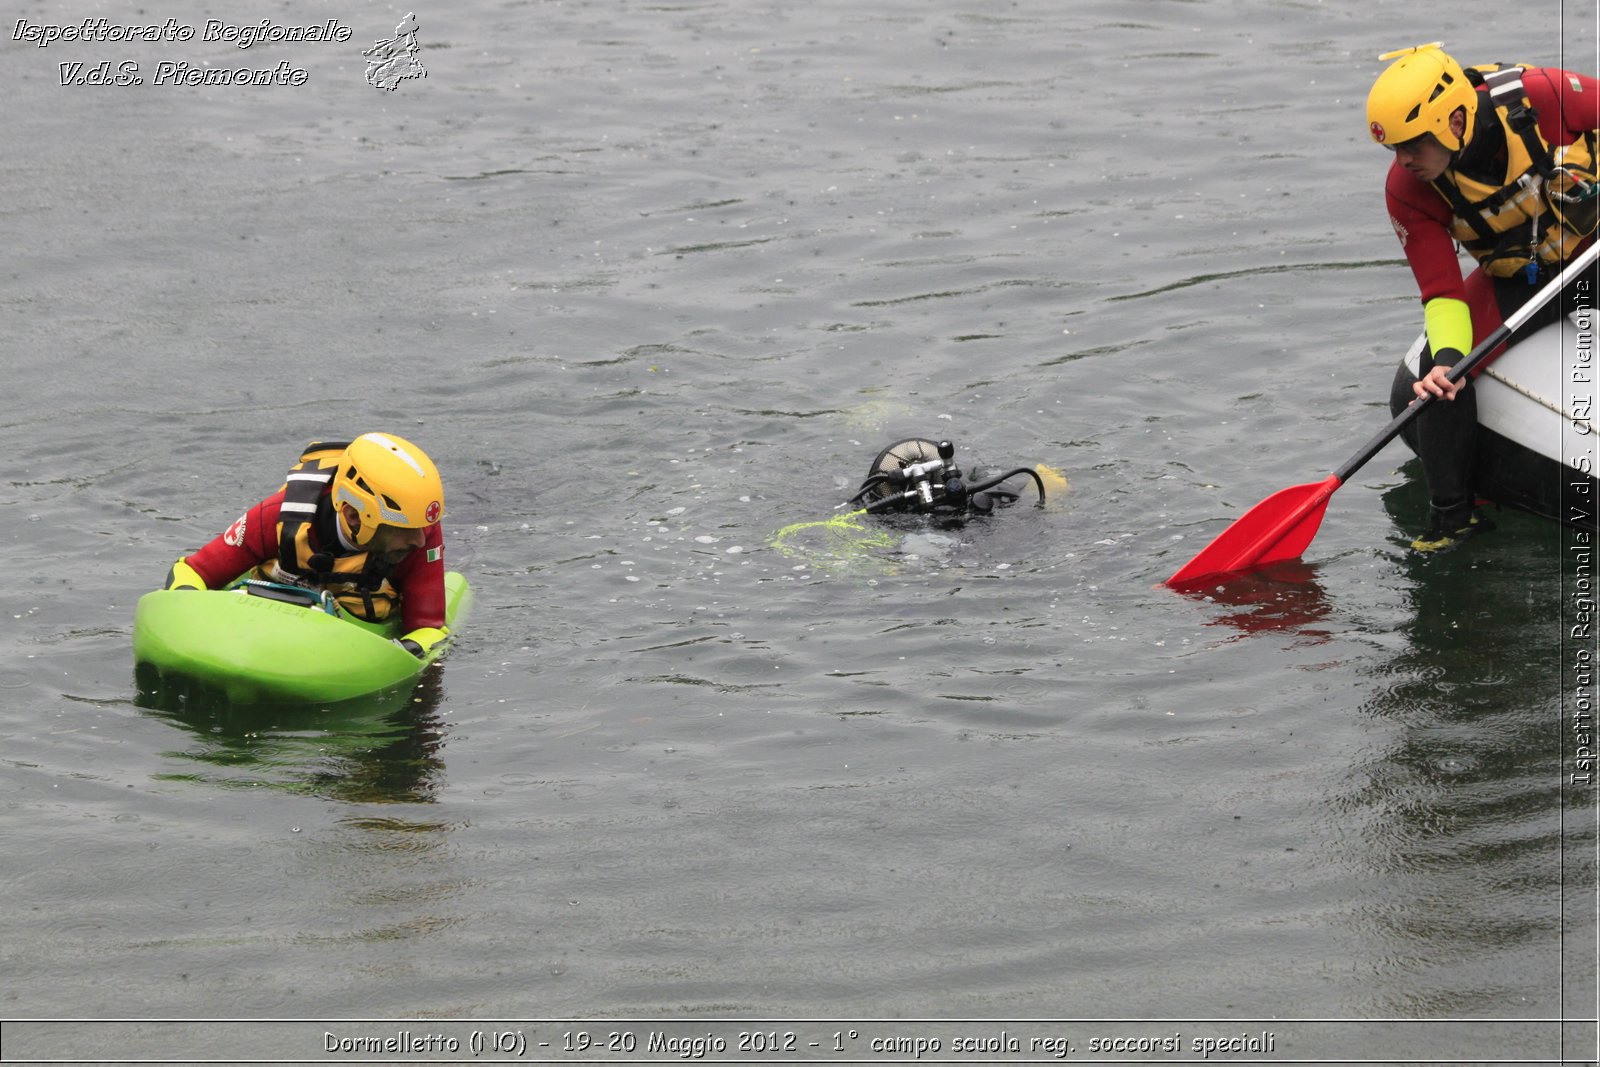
<point x="260" y="642"/>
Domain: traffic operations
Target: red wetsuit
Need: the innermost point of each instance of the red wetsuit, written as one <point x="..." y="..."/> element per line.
<point x="253" y="539"/>
<point x="1568" y="106"/>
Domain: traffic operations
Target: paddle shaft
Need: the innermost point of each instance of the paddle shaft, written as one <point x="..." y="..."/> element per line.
<point x="1465" y="366"/>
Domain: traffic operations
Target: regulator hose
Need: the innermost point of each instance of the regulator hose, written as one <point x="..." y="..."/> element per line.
<point x="992" y="482"/>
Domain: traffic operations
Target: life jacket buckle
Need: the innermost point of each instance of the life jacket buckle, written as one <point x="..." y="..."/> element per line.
<point x="1521" y="117"/>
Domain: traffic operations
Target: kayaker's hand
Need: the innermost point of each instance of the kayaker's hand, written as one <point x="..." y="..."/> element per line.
<point x="422" y="641"/>
<point x="1435" y="381"/>
<point x="183" y="576"/>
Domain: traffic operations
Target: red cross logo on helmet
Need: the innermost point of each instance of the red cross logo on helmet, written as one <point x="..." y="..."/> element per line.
<point x="1377" y="132"/>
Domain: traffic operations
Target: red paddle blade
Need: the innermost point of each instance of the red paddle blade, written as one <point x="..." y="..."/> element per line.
<point x="1280" y="527"/>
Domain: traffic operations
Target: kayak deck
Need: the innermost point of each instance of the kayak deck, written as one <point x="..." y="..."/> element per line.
<point x="253" y="649"/>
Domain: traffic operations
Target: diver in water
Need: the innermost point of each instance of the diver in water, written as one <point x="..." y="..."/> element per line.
<point x="921" y="476"/>
<point x="914" y="477"/>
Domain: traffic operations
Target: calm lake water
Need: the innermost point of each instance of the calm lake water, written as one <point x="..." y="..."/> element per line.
<point x="653" y="282"/>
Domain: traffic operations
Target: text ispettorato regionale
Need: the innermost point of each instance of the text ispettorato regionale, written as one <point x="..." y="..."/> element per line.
<point x="102" y="30"/>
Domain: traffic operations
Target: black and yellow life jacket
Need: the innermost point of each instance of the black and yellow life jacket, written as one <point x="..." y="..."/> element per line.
<point x="309" y="549"/>
<point x="1534" y="213"/>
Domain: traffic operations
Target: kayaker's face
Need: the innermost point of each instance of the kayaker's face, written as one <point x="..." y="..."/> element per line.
<point x="392" y="544"/>
<point x="1423" y="156"/>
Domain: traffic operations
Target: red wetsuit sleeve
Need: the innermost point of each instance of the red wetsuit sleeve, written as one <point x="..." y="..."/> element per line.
<point x="1421" y="220"/>
<point x="420" y="582"/>
<point x="1568" y="104"/>
<point x="252" y="539"/>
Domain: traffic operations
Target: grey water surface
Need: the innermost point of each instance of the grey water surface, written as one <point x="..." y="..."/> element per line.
<point x="653" y="282"/>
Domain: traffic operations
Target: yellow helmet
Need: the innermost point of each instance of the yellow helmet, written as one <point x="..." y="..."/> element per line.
<point x="390" y="482"/>
<point x="1417" y="95"/>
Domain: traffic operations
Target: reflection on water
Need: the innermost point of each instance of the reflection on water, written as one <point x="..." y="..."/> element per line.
<point x="1284" y="597"/>
<point x="1457" y="813"/>
<point x="379" y="749"/>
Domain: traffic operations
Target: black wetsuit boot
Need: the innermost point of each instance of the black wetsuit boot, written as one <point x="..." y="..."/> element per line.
<point x="1444" y="437"/>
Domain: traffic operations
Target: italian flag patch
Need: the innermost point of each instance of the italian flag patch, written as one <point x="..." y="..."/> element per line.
<point x="435" y="555"/>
